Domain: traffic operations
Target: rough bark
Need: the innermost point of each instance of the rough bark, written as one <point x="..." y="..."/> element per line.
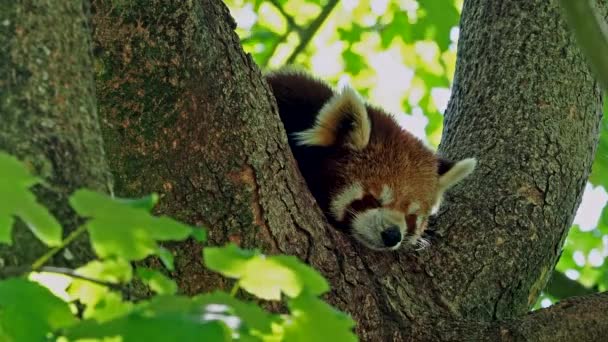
<point x="525" y="104"/>
<point x="575" y="319"/>
<point x="185" y="113"/>
<point x="47" y="113"/>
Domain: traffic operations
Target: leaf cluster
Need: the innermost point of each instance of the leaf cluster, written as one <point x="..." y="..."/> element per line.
<point x="88" y="303"/>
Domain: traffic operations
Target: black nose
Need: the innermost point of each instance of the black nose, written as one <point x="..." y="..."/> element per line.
<point x="391" y="236"/>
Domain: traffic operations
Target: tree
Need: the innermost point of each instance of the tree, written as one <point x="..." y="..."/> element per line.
<point x="185" y="112"/>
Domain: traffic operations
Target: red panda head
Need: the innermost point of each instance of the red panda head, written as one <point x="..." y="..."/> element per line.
<point x="377" y="180"/>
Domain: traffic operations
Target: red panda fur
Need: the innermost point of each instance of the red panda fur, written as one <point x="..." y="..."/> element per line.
<point x="339" y="142"/>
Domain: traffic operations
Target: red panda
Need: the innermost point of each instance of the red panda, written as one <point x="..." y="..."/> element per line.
<point x="370" y="177"/>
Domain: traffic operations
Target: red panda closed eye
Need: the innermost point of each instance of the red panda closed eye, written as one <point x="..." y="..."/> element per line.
<point x="370" y="177"/>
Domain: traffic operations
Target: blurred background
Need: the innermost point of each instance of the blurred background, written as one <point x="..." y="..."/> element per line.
<point x="401" y="55"/>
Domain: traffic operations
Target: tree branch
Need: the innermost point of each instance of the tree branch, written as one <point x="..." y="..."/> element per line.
<point x="307" y="35"/>
<point x="574" y="319"/>
<point x="591" y="33"/>
<point x="49" y="254"/>
<point x="291" y="24"/>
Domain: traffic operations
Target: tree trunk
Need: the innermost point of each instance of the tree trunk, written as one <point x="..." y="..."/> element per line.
<point x="186" y="113"/>
<point x="525" y="104"/>
<point x="47" y="114"/>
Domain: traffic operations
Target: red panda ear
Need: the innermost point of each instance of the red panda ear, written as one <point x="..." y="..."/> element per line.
<point x="451" y="172"/>
<point x="342" y="120"/>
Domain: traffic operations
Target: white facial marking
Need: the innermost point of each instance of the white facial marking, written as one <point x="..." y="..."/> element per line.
<point x="419" y="220"/>
<point x="413" y="208"/>
<point x="368" y="226"/>
<point x="344" y="198"/>
<point x="386" y="196"/>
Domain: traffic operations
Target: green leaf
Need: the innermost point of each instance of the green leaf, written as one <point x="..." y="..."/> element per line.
<point x="150" y="327"/>
<point x="166" y="257"/>
<point x="199" y="234"/>
<point x="121" y="230"/>
<point x="253" y="317"/>
<point x="315" y="320"/>
<point x="583" y="241"/>
<point x="15" y="181"/>
<point x="265" y="276"/>
<point x="566" y="260"/>
<point x="353" y="34"/>
<point x="599" y="173"/>
<point x="178" y="318"/>
<point x="602" y="283"/>
<point x="246" y="318"/>
<point x="109" y="307"/>
<point x="230" y="261"/>
<point x="6" y="225"/>
<point x="603" y="222"/>
<point x="158" y="282"/>
<point x="353" y="62"/>
<point x="147" y="203"/>
<point x="436" y="20"/>
<point x="309" y="278"/>
<point x="93" y="295"/>
<point x="29" y="311"/>
<point x="399" y="26"/>
<point x="111" y="270"/>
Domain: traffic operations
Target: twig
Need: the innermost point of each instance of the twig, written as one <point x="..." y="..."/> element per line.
<point x="48" y="255"/>
<point x="20" y="271"/>
<point x="291" y="24"/>
<point x="273" y="48"/>
<point x="235" y="288"/>
<point x="309" y="33"/>
<point x="591" y="33"/>
<point x="70" y="272"/>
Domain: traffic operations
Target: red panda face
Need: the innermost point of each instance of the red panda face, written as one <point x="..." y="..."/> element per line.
<point x="385" y="182"/>
<point x="369" y="176"/>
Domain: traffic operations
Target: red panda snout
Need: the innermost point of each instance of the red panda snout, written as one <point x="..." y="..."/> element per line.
<point x="375" y="219"/>
<point x="379" y="228"/>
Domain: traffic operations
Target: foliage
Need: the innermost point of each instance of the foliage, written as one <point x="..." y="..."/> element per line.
<point x="23" y="204"/>
<point x="49" y="303"/>
<point x="401" y="55"/>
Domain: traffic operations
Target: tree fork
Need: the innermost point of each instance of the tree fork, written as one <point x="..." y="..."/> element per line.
<point x="186" y="113"/>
